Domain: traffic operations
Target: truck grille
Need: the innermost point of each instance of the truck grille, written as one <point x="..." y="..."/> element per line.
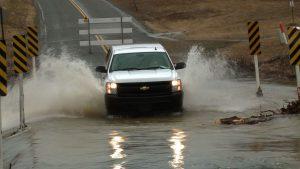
<point x="144" y="89"/>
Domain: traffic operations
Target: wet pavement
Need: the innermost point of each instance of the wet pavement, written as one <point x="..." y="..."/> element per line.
<point x="189" y="140"/>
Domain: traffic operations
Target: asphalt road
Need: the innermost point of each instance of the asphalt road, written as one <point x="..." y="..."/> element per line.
<point x="59" y="28"/>
<point x="189" y="140"/>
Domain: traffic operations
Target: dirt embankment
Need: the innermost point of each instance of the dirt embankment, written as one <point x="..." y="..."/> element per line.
<point x="17" y="15"/>
<point x="221" y="25"/>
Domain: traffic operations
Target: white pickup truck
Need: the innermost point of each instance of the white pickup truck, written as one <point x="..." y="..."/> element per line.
<point x="141" y="77"/>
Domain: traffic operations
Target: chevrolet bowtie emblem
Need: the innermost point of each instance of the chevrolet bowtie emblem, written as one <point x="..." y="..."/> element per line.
<point x="144" y="88"/>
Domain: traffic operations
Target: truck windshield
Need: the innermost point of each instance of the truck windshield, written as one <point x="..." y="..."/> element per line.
<point x="140" y="61"/>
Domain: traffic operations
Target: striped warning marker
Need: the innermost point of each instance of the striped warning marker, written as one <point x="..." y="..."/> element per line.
<point x="3" y="68"/>
<point x="33" y="42"/>
<point x="254" y="38"/>
<point x="294" y="45"/>
<point x="20" y="54"/>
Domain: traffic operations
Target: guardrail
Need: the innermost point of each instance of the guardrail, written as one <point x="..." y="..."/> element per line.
<point x="105" y="26"/>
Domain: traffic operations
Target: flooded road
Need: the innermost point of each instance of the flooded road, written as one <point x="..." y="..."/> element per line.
<point x="190" y="140"/>
<point x="70" y="129"/>
<point x="66" y="91"/>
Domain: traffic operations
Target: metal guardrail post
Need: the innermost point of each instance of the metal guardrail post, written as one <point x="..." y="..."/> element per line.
<point x="89" y="34"/>
<point x="122" y="32"/>
<point x="98" y="32"/>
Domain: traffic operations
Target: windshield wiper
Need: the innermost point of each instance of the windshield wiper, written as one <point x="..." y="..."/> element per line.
<point x="131" y="68"/>
<point x="156" y="67"/>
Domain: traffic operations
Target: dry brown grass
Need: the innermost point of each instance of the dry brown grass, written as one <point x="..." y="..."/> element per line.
<point x="18" y="14"/>
<point x="210" y="19"/>
<point x="220" y="21"/>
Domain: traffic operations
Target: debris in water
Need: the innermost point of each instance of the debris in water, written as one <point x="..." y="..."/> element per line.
<point x="291" y="108"/>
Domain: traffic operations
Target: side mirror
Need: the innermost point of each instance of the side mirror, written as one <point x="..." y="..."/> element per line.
<point x="180" y="65"/>
<point x="101" y="69"/>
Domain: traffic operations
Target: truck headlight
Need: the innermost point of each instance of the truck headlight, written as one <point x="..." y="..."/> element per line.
<point x="111" y="88"/>
<point x="176" y="85"/>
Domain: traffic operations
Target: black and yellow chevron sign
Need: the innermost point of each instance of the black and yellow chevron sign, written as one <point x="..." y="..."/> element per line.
<point x="254" y="38"/>
<point x="3" y="68"/>
<point x="294" y="45"/>
<point x="33" y="41"/>
<point x="20" y="54"/>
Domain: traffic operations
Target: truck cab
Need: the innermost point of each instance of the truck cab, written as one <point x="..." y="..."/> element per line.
<point x="141" y="77"/>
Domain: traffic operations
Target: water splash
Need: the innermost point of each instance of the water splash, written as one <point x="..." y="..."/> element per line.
<point x="63" y="86"/>
<point x="209" y="85"/>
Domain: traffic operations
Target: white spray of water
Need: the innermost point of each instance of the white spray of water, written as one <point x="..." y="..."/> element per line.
<point x="63" y="86"/>
<point x="207" y="87"/>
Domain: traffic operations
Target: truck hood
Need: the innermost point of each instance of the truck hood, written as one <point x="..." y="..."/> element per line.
<point x="142" y="76"/>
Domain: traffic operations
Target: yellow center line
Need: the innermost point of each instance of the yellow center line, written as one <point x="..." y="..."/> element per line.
<point x="85" y="16"/>
<point x="104" y="47"/>
<point x="78" y="8"/>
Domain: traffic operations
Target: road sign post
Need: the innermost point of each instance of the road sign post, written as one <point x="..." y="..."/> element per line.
<point x="298" y="80"/>
<point x="3" y="82"/>
<point x="282" y="35"/>
<point x="20" y="59"/>
<point x="21" y="91"/>
<point x="32" y="45"/>
<point x="34" y="67"/>
<point x="3" y="89"/>
<point x="259" y="90"/>
<point x="1" y="147"/>
<point x="294" y="52"/>
<point x="89" y="34"/>
<point x="254" y="43"/>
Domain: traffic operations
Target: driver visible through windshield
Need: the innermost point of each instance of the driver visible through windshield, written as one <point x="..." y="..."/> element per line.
<point x="140" y="61"/>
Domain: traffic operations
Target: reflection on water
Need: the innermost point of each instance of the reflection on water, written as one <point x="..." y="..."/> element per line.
<point x="118" y="152"/>
<point x="177" y="146"/>
<point x="118" y="166"/>
<point x="115" y="142"/>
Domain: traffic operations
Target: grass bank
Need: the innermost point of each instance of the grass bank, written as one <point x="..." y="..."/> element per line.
<point x="221" y="25"/>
